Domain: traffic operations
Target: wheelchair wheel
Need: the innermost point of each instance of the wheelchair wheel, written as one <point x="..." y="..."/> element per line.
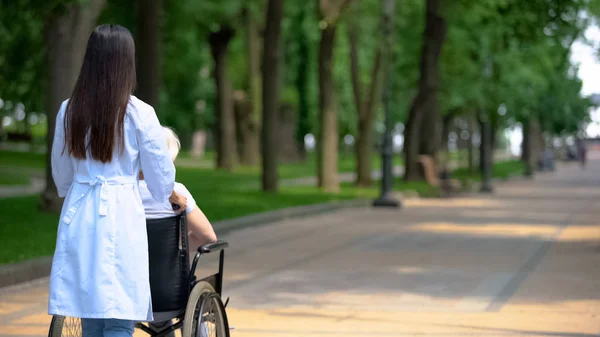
<point x="205" y="314"/>
<point x="62" y="326"/>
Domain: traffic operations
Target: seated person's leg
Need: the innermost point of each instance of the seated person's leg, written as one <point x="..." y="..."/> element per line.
<point x="92" y="327"/>
<point x="118" y="328"/>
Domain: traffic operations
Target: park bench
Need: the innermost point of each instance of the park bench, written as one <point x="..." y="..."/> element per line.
<point x="433" y="176"/>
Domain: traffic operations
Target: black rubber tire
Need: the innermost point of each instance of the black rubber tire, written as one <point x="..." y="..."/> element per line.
<point x="201" y="295"/>
<point x="58" y="328"/>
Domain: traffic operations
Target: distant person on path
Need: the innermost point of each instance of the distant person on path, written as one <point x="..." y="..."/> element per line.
<point x="103" y="138"/>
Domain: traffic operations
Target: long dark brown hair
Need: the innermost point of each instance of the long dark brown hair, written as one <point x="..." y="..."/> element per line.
<point x="99" y="101"/>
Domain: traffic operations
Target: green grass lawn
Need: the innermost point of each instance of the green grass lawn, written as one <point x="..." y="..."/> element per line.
<point x="26" y="233"/>
<point x="308" y="167"/>
<point x="30" y="160"/>
<point x="501" y="170"/>
<point x="16" y="168"/>
<point x="13" y="178"/>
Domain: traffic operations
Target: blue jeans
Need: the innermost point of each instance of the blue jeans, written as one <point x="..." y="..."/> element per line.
<point x="106" y="327"/>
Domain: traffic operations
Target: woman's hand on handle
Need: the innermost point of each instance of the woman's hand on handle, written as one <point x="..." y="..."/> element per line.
<point x="178" y="200"/>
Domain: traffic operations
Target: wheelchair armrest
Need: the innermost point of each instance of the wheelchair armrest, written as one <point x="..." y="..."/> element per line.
<point x="214" y="246"/>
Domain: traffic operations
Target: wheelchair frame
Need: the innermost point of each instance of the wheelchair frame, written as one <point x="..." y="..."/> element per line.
<point x="215" y="280"/>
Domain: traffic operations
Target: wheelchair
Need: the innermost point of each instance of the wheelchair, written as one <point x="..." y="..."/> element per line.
<point x="178" y="297"/>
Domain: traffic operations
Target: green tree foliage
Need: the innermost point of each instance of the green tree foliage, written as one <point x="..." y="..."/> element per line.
<point x="562" y="108"/>
<point x="187" y="95"/>
<point x="301" y="34"/>
<point x="22" y="52"/>
<point x="509" y="53"/>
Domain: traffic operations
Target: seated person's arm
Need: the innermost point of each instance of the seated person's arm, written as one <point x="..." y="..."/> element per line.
<point x="201" y="231"/>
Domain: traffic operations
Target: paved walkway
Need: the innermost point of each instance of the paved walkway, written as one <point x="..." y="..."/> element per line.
<point x="36" y="177"/>
<point x="523" y="262"/>
<point x="36" y="187"/>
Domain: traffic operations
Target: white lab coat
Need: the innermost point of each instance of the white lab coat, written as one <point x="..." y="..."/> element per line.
<point x="100" y="266"/>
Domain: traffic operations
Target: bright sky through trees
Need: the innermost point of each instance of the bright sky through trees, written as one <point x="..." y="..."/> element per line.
<point x="585" y="53"/>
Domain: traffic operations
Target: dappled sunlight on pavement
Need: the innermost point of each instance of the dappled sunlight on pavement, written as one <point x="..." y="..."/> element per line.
<point x="503" y="230"/>
<point x="524" y="261"/>
<point x="311" y="322"/>
<point x="451" y="203"/>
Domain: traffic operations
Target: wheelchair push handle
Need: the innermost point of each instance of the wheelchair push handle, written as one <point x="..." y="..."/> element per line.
<point x="214" y="246"/>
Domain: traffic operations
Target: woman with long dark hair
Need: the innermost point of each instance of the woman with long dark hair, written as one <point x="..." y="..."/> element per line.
<point x="104" y="136"/>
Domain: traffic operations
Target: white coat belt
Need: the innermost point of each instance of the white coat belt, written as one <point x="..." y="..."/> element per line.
<point x="93" y="182"/>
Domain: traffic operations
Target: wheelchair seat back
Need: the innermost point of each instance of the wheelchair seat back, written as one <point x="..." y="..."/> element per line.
<point x="169" y="263"/>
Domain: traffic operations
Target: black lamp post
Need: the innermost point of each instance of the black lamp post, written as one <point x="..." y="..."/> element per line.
<point x="386" y="199"/>
<point x="486" y="140"/>
<point x="528" y="149"/>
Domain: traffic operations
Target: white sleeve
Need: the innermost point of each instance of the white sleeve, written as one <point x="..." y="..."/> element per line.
<point x="191" y="203"/>
<point x="155" y="161"/>
<point x="62" y="167"/>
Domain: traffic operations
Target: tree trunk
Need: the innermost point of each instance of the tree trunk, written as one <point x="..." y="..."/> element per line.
<point x="486" y="154"/>
<point x="423" y="109"/>
<point x="525" y="141"/>
<point x="470" y="155"/>
<point x="246" y="134"/>
<point x="481" y="143"/>
<point x="444" y="142"/>
<point x="470" y="144"/>
<point x="364" y="153"/>
<point x="66" y="39"/>
<point x="491" y="146"/>
<point x="287" y="144"/>
<point x="225" y="118"/>
<point x="252" y="149"/>
<point x="446" y="126"/>
<point x="271" y="91"/>
<point x="486" y="146"/>
<point x="148" y="51"/>
<point x="302" y="84"/>
<point x="539" y="139"/>
<point x="536" y="143"/>
<point x="327" y="137"/>
<point x="526" y="149"/>
<point x="365" y="108"/>
<point x="327" y="142"/>
<point x="412" y="134"/>
<point x="494" y="132"/>
<point x="431" y="134"/>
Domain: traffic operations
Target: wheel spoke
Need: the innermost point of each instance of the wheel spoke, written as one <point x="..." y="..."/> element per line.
<point x="205" y="314"/>
<point x="71" y="327"/>
<point x="208" y="322"/>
